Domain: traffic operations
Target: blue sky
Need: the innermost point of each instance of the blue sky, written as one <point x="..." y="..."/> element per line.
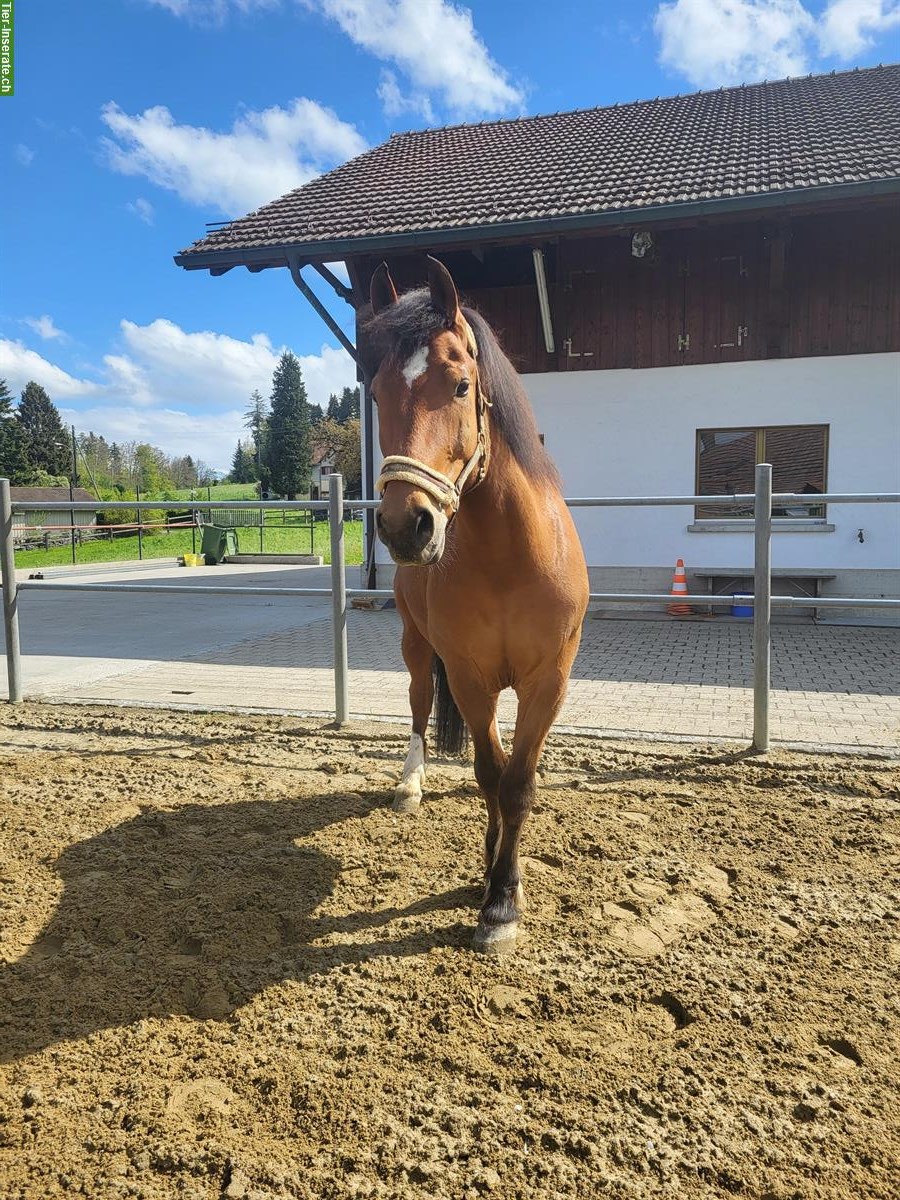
<point x="136" y="121"/>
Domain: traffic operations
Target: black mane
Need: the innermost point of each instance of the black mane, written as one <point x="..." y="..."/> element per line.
<point x="399" y="330"/>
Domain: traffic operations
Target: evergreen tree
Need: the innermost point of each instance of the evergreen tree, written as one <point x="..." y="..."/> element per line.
<point x="345" y="407"/>
<point x="256" y="419"/>
<point x="116" y="463"/>
<point x="348" y="408"/>
<point x="14" y="463"/>
<point x="316" y="414"/>
<point x="288" y="433"/>
<point x="46" y="443"/>
<point x="242" y="464"/>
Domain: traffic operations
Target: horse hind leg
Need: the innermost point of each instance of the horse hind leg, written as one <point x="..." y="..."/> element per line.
<point x="418" y="656"/>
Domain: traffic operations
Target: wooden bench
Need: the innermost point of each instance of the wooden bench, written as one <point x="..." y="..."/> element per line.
<point x="724" y="581"/>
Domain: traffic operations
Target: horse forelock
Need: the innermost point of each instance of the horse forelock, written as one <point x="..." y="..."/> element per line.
<point x="405" y="328"/>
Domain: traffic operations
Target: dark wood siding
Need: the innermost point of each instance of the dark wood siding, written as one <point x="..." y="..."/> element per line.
<point x="806" y="285"/>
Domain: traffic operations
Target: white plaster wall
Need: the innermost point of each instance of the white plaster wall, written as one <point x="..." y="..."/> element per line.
<point x="618" y="433"/>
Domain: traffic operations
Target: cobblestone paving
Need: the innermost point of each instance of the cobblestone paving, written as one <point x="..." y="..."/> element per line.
<point x="832" y="686"/>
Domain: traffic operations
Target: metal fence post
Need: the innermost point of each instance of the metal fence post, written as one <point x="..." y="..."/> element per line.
<point x="762" y="604"/>
<point x="338" y="596"/>
<point x="10" y="596"/>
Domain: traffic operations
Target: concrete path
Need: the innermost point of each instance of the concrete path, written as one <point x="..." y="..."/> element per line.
<point x="833" y="686"/>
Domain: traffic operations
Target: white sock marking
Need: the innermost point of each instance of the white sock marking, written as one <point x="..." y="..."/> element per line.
<point x="415" y="759"/>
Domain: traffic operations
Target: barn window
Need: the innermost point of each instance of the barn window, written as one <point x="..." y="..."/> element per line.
<point x="726" y="461"/>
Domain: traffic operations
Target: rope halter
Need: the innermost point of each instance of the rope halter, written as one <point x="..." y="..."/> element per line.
<point x="446" y="492"/>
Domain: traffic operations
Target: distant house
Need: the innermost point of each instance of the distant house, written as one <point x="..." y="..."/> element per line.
<point x="29" y="526"/>
<point x="323" y="464"/>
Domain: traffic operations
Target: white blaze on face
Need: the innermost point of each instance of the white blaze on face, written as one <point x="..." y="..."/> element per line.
<point x="416" y="366"/>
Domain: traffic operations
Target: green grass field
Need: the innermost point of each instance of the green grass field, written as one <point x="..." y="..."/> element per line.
<point x="222" y="491"/>
<point x="277" y="539"/>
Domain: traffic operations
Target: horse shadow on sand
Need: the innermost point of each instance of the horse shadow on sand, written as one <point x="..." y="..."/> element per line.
<point x="194" y="911"/>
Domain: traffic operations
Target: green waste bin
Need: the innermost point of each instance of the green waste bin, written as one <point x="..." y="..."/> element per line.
<point x="217" y="544"/>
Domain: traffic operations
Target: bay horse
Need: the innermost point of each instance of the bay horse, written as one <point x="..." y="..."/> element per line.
<point x="491" y="582"/>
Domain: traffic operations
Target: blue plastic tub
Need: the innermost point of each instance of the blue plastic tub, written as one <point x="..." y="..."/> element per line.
<point x="742" y="610"/>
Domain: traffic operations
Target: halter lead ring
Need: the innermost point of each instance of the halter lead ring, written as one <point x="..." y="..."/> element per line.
<point x="447" y="492"/>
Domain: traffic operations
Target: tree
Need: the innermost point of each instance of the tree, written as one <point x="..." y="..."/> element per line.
<point x="242" y="464"/>
<point x="316" y="414"/>
<point x="149" y="472"/>
<point x="14" y="463"/>
<point x="349" y="405"/>
<point x="288" y="433"/>
<point x="345" y="407"/>
<point x="343" y="442"/>
<point x="46" y="443"/>
<point x="256" y="419"/>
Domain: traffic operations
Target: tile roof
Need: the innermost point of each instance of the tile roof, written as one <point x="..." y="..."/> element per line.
<point x="742" y="142"/>
<point x="41" y="495"/>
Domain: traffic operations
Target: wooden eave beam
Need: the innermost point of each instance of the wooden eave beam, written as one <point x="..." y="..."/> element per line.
<point x="342" y="290"/>
<point x="296" y="274"/>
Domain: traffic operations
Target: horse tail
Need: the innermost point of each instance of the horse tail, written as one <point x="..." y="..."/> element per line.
<point x="450" y="733"/>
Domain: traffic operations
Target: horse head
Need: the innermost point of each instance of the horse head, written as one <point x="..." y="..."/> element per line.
<point x="432" y="421"/>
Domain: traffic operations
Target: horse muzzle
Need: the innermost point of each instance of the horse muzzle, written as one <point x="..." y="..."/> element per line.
<point x="414" y="533"/>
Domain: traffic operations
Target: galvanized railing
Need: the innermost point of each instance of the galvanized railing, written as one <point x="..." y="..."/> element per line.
<point x="762" y="599"/>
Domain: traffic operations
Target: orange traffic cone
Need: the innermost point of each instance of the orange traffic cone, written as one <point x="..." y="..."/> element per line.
<point x="679" y="588"/>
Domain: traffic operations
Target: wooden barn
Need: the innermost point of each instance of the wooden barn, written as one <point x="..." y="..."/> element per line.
<point x="53" y="527"/>
<point x="688" y="285"/>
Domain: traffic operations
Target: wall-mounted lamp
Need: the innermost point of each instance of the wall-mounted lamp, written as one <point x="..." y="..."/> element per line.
<point x="540" y="279"/>
<point x="641" y="243"/>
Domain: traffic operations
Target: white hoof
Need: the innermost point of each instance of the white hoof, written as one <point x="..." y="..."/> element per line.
<point x="495" y="939"/>
<point x="408" y="795"/>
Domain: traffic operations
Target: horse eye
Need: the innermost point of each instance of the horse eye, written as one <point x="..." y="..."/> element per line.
<point x="462" y="387"/>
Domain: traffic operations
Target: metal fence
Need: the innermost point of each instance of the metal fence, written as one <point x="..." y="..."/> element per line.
<point x="762" y="599"/>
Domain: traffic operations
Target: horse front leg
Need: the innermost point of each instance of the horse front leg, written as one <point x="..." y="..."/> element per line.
<point x="418" y="656"/>
<point x="504" y="902"/>
<point x="479" y="711"/>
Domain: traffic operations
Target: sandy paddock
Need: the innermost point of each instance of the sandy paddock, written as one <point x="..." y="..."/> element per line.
<point x="227" y="969"/>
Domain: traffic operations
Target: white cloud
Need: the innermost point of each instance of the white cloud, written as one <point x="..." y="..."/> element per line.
<point x="714" y="42"/>
<point x="179" y="390"/>
<point x="211" y="10"/>
<point x="44" y="327"/>
<point x="177" y="433"/>
<point x="264" y="155"/>
<point x="394" y="102"/>
<point x="729" y="41"/>
<point x="142" y="209"/>
<point x="24" y="154"/>
<point x="435" y="44"/>
<point x="848" y="27"/>
<point x="18" y="365"/>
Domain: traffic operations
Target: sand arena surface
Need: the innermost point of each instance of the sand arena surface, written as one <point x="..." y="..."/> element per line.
<point x="227" y="969"/>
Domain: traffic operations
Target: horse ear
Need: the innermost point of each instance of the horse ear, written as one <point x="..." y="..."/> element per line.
<point x="443" y="289"/>
<point x="382" y="292"/>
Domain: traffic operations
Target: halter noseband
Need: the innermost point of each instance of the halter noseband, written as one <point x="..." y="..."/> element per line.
<point x="398" y="468"/>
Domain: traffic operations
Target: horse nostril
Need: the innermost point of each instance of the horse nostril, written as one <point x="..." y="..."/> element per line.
<point x="424" y="527"/>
